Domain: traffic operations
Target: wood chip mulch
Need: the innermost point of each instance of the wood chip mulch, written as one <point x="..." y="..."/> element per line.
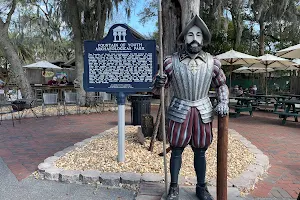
<point x="101" y="154"/>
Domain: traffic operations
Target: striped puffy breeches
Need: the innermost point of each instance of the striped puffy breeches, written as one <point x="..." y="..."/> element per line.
<point x="192" y="131"/>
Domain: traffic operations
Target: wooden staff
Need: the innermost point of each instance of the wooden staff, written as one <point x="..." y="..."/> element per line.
<point x="222" y="148"/>
<point x="162" y="94"/>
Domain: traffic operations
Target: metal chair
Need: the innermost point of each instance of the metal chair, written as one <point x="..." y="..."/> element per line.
<point x="38" y="95"/>
<point x="71" y="99"/>
<point x="94" y="102"/>
<point x="8" y="108"/>
<point x="50" y="99"/>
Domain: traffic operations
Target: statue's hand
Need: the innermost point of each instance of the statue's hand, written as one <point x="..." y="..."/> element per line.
<point x="222" y="109"/>
<point x="160" y="81"/>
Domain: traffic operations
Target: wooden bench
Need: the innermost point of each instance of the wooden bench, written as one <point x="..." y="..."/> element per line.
<point x="285" y="115"/>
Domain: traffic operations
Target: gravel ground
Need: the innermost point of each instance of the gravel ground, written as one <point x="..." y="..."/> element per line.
<point x="101" y="154"/>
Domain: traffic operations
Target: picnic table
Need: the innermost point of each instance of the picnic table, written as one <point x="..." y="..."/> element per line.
<point x="290" y="96"/>
<point x="243" y="104"/>
<point x="267" y="99"/>
<point x="289" y="110"/>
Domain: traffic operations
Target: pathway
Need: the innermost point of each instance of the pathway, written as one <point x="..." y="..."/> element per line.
<point x="31" y="189"/>
<point x="281" y="144"/>
<point x="27" y="144"/>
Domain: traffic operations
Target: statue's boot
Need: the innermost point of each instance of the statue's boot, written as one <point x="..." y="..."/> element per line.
<point x="173" y="193"/>
<point x="203" y="193"/>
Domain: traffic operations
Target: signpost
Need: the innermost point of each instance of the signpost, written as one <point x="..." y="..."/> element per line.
<point x="119" y="64"/>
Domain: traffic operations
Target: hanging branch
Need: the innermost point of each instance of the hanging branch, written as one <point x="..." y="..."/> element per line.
<point x="9" y="15"/>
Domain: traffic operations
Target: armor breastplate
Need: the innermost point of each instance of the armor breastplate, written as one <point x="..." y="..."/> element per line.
<point x="191" y="86"/>
<point x="191" y="83"/>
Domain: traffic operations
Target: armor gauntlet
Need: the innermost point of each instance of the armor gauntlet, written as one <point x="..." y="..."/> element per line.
<point x="160" y="81"/>
<point x="222" y="108"/>
<point x="219" y="82"/>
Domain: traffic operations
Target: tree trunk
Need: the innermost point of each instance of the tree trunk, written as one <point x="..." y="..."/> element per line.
<point x="262" y="78"/>
<point x="171" y="15"/>
<point x="101" y="16"/>
<point x="189" y="9"/>
<point x="261" y="37"/>
<point x="16" y="64"/>
<point x="175" y="14"/>
<point x="76" y="27"/>
<point x="236" y="10"/>
<point x="238" y="30"/>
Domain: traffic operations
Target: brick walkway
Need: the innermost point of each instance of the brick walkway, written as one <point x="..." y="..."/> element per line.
<point x="281" y="144"/>
<point x="27" y="144"/>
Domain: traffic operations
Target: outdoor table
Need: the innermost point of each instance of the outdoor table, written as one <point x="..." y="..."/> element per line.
<point x="290" y="96"/>
<point x="289" y="110"/>
<point x="267" y="99"/>
<point x="244" y="104"/>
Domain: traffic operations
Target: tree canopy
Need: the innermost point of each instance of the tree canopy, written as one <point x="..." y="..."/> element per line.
<point x="43" y="29"/>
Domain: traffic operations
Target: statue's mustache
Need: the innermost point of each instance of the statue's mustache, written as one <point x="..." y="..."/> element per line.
<point x="194" y="42"/>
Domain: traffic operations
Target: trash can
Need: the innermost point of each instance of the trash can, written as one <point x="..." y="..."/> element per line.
<point x="140" y="105"/>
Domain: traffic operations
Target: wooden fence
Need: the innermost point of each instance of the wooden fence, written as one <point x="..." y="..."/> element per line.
<point x="295" y="85"/>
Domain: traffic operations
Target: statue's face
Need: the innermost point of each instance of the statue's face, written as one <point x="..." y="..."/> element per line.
<point x="194" y="40"/>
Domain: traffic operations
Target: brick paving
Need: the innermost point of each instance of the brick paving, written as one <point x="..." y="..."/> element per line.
<point x="281" y="143"/>
<point x="27" y="144"/>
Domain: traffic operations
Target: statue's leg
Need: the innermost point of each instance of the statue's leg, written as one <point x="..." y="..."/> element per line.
<point x="200" y="165"/>
<point x="200" y="168"/>
<point x="175" y="165"/>
<point x="179" y="135"/>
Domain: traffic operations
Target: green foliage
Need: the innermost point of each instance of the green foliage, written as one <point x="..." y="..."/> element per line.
<point x="41" y="29"/>
<point x="149" y="12"/>
<point x="281" y="19"/>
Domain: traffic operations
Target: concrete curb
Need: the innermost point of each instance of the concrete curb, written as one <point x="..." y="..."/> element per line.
<point x="245" y="182"/>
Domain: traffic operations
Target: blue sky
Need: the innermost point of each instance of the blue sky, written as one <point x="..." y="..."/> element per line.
<point x="146" y="29"/>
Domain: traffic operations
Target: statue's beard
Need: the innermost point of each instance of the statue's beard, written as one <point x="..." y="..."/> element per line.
<point x="193" y="49"/>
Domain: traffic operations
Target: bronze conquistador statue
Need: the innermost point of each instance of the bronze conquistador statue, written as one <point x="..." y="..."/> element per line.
<point x="191" y="74"/>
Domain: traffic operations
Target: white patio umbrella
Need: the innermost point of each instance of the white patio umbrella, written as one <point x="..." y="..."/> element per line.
<point x="253" y="70"/>
<point x="290" y="52"/>
<point x="289" y="68"/>
<point x="233" y="57"/>
<point x="42" y="65"/>
<point x="270" y="61"/>
<point x="297" y="62"/>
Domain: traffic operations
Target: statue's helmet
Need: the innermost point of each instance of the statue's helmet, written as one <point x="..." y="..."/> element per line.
<point x="196" y="21"/>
